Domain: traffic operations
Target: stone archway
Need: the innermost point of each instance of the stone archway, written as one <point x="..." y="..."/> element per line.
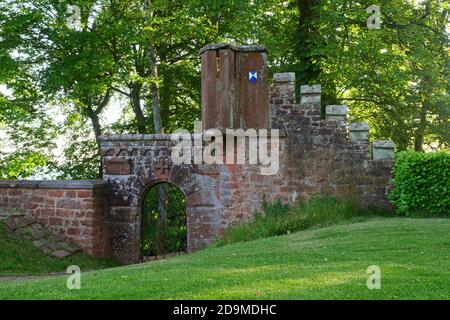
<point x="132" y="164"/>
<point x="163" y="222"/>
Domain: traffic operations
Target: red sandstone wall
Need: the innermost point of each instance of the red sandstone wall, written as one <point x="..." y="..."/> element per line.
<point x="317" y="155"/>
<point x="73" y="210"/>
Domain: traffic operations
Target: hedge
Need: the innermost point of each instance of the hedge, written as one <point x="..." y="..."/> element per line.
<point x="421" y="183"/>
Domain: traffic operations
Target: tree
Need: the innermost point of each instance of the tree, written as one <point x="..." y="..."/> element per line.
<point x="395" y="78"/>
<point x="145" y="51"/>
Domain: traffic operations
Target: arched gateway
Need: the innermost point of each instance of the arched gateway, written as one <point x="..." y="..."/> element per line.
<point x="134" y="163"/>
<point x="164" y="222"/>
<point x="316" y="155"/>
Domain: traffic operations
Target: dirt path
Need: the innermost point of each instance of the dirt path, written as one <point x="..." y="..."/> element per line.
<point x="8" y="278"/>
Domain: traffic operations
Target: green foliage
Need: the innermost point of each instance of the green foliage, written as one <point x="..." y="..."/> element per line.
<point x="164" y="225"/>
<point x="81" y="161"/>
<point x="278" y="218"/>
<point x="275" y="208"/>
<point x="395" y="78"/>
<point x="421" y="183"/>
<point x="21" y="164"/>
<point x="86" y="69"/>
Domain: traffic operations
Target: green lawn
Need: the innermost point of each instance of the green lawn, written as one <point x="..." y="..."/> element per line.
<point x="326" y="263"/>
<point x="20" y="257"/>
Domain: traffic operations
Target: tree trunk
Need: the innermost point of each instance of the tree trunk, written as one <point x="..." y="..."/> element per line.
<point x="156" y="104"/>
<point x="151" y="57"/>
<point x="157" y="122"/>
<point x="306" y="34"/>
<point x="97" y="132"/>
<point x="420" y="132"/>
<point x="136" y="102"/>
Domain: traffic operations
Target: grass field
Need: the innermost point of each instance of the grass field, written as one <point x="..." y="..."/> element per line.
<point x="325" y="263"/>
<point x="20" y="257"/>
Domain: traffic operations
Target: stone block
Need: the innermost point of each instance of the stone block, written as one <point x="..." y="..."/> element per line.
<point x="118" y="167"/>
<point x="61" y="253"/>
<point x="284" y="77"/>
<point x="85" y="193"/>
<point x="358" y="131"/>
<point x="336" y="112"/>
<point x="311" y="96"/>
<point x="315" y="89"/>
<point x="383" y="149"/>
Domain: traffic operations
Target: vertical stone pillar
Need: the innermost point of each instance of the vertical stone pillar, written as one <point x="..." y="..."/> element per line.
<point x="311" y="97"/>
<point x="284" y="88"/>
<point x="383" y="149"/>
<point x="282" y="95"/>
<point x="218" y="88"/>
<point x="234" y="87"/>
<point x="358" y="131"/>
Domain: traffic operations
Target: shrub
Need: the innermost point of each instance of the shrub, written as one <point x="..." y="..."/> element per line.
<point x="278" y="218"/>
<point x="421" y="183"/>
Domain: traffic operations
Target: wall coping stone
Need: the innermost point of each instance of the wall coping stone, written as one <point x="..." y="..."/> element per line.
<point x="315" y="89"/>
<point x="135" y="137"/>
<point x="284" y="77"/>
<point x="336" y="110"/>
<point x="242" y="48"/>
<point x="383" y="144"/>
<point x="155" y="137"/>
<point x="53" y="184"/>
<point x="358" y="126"/>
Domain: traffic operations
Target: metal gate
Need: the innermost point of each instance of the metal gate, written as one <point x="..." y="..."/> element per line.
<point x="164" y="222"/>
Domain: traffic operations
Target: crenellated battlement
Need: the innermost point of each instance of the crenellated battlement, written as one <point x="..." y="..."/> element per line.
<point x="305" y="124"/>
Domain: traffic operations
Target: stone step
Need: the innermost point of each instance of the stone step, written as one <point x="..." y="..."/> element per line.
<point x="28" y="228"/>
<point x="4" y="215"/>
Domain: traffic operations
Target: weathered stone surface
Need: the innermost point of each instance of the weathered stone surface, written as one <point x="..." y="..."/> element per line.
<point x="336" y="112"/>
<point x="26" y="226"/>
<point x="40" y="243"/>
<point x="69" y="247"/>
<point x="382" y="149"/>
<point x="241" y="48"/>
<point x="52" y="184"/>
<point x="287" y="76"/>
<point x="315" y="89"/>
<point x="74" y="211"/>
<point x="358" y="131"/>
<point x="104" y="218"/>
<point x="37" y="231"/>
<point x="61" y="253"/>
<point x="118" y="167"/>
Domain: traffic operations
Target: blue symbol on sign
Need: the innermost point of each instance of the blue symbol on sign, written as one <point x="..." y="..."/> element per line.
<point x="253" y="76"/>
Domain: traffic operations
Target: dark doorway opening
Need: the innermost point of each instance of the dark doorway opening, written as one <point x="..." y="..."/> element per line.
<point x="164" y="222"/>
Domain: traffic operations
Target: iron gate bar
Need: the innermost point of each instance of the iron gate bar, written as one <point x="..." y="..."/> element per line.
<point x="175" y="210"/>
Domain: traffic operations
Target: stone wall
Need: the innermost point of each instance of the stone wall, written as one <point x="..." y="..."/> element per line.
<point x="73" y="210"/>
<point x="133" y="164"/>
<point x="325" y="154"/>
<point x="318" y="154"/>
